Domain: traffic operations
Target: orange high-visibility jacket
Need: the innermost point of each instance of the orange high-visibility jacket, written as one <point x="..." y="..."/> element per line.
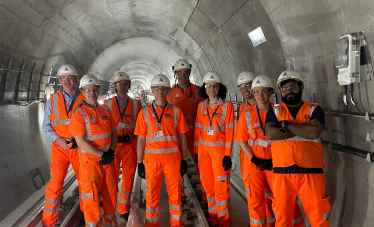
<point x="96" y="123"/>
<point x="126" y="122"/>
<point x="305" y="153"/>
<point x="222" y="126"/>
<point x="59" y="118"/>
<point x="243" y="107"/>
<point x="187" y="103"/>
<point x="164" y="148"/>
<point x="249" y="129"/>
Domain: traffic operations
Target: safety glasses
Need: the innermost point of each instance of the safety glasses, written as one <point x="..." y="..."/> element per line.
<point x="290" y="88"/>
<point x="211" y="86"/>
<point x="162" y="88"/>
<point x="245" y="86"/>
<point x="70" y="78"/>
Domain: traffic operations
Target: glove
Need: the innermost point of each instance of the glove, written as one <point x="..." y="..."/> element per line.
<point x="268" y="164"/>
<point x="226" y="163"/>
<point x="73" y="144"/>
<point x="183" y="167"/>
<point x="278" y="124"/>
<point x="141" y="170"/>
<point x="107" y="157"/>
<point x="196" y="158"/>
<point x="124" y="139"/>
<point x="263" y="164"/>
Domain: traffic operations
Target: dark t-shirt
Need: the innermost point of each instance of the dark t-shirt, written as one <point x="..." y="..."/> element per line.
<point x="317" y="114"/>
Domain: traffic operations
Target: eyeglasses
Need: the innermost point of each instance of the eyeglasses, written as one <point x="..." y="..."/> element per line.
<point x="290" y="88"/>
<point x="179" y="73"/>
<point x="162" y="88"/>
<point x="67" y="78"/>
<point x="211" y="86"/>
<point x="122" y="83"/>
<point x="262" y="92"/>
<point x="95" y="90"/>
<point x="245" y="86"/>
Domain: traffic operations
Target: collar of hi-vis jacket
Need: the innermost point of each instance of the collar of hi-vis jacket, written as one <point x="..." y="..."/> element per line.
<point x="168" y="105"/>
<point x="220" y="102"/>
<point x="90" y="106"/>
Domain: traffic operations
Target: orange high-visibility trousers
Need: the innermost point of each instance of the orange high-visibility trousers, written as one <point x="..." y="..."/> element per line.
<point x="127" y="154"/>
<point x="95" y="178"/>
<point x="154" y="172"/>
<point x="310" y="188"/>
<point x="258" y="188"/>
<point x="60" y="161"/>
<point x="216" y="184"/>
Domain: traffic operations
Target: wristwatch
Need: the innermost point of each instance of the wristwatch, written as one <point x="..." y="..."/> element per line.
<point x="284" y="129"/>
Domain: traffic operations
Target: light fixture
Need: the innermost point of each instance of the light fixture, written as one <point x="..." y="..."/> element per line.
<point x="257" y="36"/>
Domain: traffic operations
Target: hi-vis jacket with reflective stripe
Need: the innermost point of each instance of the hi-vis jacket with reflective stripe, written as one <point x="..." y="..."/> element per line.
<point x="222" y="127"/>
<point x="162" y="144"/>
<point x="187" y="102"/>
<point x="59" y="116"/>
<point x="96" y="123"/>
<point x="126" y="123"/>
<point x="243" y="106"/>
<point x="249" y="129"/>
<point x="305" y="153"/>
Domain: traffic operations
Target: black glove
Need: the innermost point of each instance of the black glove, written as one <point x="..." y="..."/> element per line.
<point x="124" y="139"/>
<point x="226" y="163"/>
<point x="263" y="164"/>
<point x="268" y="165"/>
<point x="141" y="170"/>
<point x="278" y="124"/>
<point x="73" y="144"/>
<point x="107" y="157"/>
<point x="183" y="167"/>
<point x="196" y="158"/>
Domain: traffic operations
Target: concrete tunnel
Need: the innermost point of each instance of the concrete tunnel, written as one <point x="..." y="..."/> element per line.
<point x="144" y="38"/>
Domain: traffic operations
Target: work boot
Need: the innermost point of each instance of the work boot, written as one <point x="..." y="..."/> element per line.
<point x="125" y="216"/>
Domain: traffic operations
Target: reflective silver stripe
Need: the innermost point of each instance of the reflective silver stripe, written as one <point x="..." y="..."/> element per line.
<point x="257" y="222"/>
<point x="50" y="176"/>
<point x="312" y="107"/>
<point x="257" y="142"/>
<point x="135" y="106"/>
<point x="125" y="126"/>
<point x="223" y="212"/>
<point x="146" y="118"/>
<point x="247" y="191"/>
<point x="55" y="108"/>
<point x="223" y="203"/>
<point x="52" y="201"/>
<point x="125" y="193"/>
<point x="161" y="139"/>
<point x="86" y="195"/>
<point x="151" y="220"/>
<point x="171" y="96"/>
<point x="177" y="208"/>
<point x="198" y="125"/>
<point x="80" y="200"/>
<point x="59" y="122"/>
<point x="223" y="178"/>
<point x="108" y="216"/>
<point x="326" y="216"/>
<point x="212" y="209"/>
<point x="230" y="125"/>
<point x="202" y="105"/>
<point x="300" y="219"/>
<point x="175" y="217"/>
<point x="91" y="224"/>
<point x="161" y="151"/>
<point x="188" y="116"/>
<point x="247" y="115"/>
<point x="212" y="144"/>
<point x="270" y="220"/>
<point x="147" y="188"/>
<point x="98" y="136"/>
<point x="210" y="200"/>
<point x="275" y="214"/>
<point x="104" y="148"/>
<point x="267" y="195"/>
<point x="110" y="104"/>
<point x="224" y="112"/>
<point x="151" y="211"/>
<point x="228" y="145"/>
<point x="297" y="138"/>
<point x="52" y="210"/>
<point x="196" y="143"/>
<point x="175" y="117"/>
<point x="110" y="224"/>
<point x="190" y="126"/>
<point x="122" y="200"/>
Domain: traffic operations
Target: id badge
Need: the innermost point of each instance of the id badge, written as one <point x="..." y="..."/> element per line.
<point x="67" y="122"/>
<point x="159" y="134"/>
<point x="210" y="132"/>
<point x="263" y="143"/>
<point x="158" y="125"/>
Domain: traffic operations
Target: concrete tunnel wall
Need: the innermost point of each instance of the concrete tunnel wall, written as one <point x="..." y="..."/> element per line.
<point x="147" y="37"/>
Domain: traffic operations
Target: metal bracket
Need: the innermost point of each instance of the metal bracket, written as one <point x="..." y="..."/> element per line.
<point x="367" y="117"/>
<point x="368" y="139"/>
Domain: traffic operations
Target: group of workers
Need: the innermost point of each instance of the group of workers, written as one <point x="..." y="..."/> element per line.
<point x="281" y="155"/>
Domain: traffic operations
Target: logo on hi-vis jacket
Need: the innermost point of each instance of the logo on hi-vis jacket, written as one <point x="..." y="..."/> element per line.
<point x="257" y="124"/>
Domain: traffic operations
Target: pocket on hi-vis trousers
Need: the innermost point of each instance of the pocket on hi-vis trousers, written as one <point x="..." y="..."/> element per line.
<point x="325" y="207"/>
<point x="87" y="191"/>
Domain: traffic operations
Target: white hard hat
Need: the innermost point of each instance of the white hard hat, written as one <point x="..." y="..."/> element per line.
<point x="245" y="77"/>
<point x="67" y="69"/>
<point x="88" y="79"/>
<point x="212" y="76"/>
<point x="160" y="80"/>
<point x="181" y="64"/>
<point x="262" y="81"/>
<point x="289" y="75"/>
<point x="121" y="76"/>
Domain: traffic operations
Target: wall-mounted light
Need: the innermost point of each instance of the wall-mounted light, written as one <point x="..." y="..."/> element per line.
<point x="257" y="36"/>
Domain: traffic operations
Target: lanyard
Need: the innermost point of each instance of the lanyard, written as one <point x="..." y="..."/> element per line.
<point x="71" y="105"/>
<point x="159" y="120"/>
<point x="259" y="117"/>
<point x="214" y="113"/>
<point x="124" y="108"/>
